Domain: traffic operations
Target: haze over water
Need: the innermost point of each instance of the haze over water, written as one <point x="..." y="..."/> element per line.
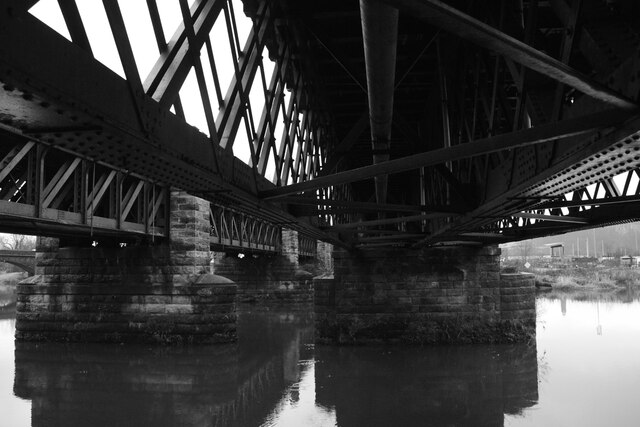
<point x="584" y="370"/>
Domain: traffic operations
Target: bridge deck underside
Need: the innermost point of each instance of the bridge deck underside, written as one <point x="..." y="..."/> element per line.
<point x="491" y="122"/>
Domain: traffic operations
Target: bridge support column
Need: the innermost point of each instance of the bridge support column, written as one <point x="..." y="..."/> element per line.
<point x="143" y="293"/>
<point x="269" y="278"/>
<point x="423" y="296"/>
<point x="290" y="246"/>
<point x="324" y="257"/>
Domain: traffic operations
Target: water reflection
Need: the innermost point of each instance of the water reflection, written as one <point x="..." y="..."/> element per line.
<point x="223" y="385"/>
<point x="589" y="362"/>
<point x="624" y="295"/>
<point x="448" y="386"/>
<point x="273" y="377"/>
<point x="126" y="386"/>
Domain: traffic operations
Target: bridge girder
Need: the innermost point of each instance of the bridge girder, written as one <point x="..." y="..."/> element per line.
<point x="503" y="78"/>
<point x="496" y="110"/>
<point x="55" y="94"/>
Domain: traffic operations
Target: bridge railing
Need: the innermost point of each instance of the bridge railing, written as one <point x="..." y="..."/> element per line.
<point x="59" y="191"/>
<point x="307" y="246"/>
<point x="237" y="230"/>
<point x="610" y="200"/>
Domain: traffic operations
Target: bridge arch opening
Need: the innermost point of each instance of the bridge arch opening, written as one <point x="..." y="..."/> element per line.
<point x="24" y="267"/>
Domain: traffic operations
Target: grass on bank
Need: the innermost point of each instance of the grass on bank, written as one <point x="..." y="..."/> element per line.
<point x="588" y="278"/>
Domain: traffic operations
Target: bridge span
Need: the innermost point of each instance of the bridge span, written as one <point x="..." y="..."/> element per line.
<point x="412" y="136"/>
<point x="26" y="260"/>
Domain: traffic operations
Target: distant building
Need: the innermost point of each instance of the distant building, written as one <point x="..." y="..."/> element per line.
<point x="556" y="249"/>
<point x="627" y="261"/>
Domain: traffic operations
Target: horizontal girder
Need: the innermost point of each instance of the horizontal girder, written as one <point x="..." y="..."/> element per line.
<point x="59" y="95"/>
<point x="409" y="122"/>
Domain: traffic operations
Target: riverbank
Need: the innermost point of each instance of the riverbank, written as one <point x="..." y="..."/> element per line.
<point x="587" y="278"/>
<point x="574" y="275"/>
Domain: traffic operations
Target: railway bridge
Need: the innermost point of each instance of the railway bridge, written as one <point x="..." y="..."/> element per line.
<point x="411" y="136"/>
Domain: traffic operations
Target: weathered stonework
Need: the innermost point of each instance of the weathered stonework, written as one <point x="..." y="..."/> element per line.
<point x="290" y="248"/>
<point x="423" y="296"/>
<point x="146" y="293"/>
<point x="266" y="278"/>
<point x="325" y="257"/>
<point x="189" y="236"/>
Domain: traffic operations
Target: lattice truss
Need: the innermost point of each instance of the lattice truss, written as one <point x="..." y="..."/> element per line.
<point x="578" y="182"/>
<point x="211" y="67"/>
<point x="609" y="201"/>
<point x="510" y="120"/>
<point x="75" y="196"/>
<point x="237" y="230"/>
<point x="375" y="128"/>
<point x="220" y="66"/>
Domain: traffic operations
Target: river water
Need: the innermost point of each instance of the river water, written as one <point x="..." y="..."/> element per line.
<point x="584" y="370"/>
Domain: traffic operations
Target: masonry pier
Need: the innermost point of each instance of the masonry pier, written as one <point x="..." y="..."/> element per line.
<point x="431" y="295"/>
<point x="166" y="292"/>
<point x="143" y="293"/>
<point x="280" y="278"/>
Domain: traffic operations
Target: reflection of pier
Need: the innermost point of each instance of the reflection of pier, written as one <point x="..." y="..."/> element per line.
<point x="248" y="383"/>
<point x="457" y="385"/>
<point x="108" y="385"/>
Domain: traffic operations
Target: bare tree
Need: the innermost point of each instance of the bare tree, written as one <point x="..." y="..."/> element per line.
<point x="525" y="249"/>
<point x="17" y="242"/>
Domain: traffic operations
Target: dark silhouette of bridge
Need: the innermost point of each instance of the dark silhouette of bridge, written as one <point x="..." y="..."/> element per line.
<point x="371" y="124"/>
<point x="397" y="122"/>
<point x="26" y="260"/>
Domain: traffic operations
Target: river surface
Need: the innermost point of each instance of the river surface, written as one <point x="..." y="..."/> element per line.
<point x="584" y="370"/>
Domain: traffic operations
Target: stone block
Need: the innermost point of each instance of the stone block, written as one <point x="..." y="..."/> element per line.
<point x="517" y="298"/>
<point x="179" y="309"/>
<point x="521" y="290"/>
<point x="525" y="315"/>
<point x="157" y="299"/>
<point x="517" y="305"/>
<point x="446" y="286"/>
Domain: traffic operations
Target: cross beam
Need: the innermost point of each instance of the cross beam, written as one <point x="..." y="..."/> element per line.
<point x="60" y="96"/>
<point x="523" y="138"/>
<point x="468" y="28"/>
<point x="553" y="218"/>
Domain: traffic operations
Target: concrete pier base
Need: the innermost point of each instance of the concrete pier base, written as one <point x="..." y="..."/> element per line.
<point x="452" y="295"/>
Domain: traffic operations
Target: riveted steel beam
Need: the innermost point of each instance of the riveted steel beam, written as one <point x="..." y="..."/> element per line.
<point x="171" y="69"/>
<point x="380" y="35"/>
<point x="553" y="218"/>
<point x="388" y="221"/>
<point x="531" y="136"/>
<point x="62" y="97"/>
<point x="468" y="28"/>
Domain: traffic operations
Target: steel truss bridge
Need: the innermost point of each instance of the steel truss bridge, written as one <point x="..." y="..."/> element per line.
<point x="361" y="123"/>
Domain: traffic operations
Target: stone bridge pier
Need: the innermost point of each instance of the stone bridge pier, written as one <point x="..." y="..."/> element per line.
<point x="143" y="293"/>
<point x="285" y="277"/>
<point x="431" y="295"/>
